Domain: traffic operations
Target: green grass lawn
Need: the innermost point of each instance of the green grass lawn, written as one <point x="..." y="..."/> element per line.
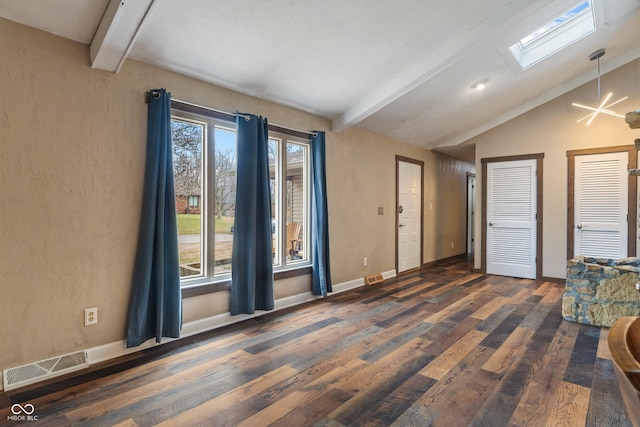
<point x="190" y="224"/>
<point x="223" y="225"/>
<point x="191" y="252"/>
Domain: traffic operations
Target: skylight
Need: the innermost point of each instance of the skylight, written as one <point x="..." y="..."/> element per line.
<point x="555" y="35"/>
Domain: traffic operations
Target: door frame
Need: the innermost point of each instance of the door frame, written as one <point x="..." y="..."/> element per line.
<point x="632" y="206"/>
<point x="397" y="222"/>
<point x="470" y="233"/>
<point x="539" y="157"/>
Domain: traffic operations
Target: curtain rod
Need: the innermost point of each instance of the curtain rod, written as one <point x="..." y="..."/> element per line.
<point x="229" y="115"/>
<point x="314" y="133"/>
<point x="156" y="95"/>
<point x="225" y="113"/>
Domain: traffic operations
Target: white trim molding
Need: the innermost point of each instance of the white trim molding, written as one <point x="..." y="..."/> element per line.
<point x="119" y="348"/>
<point x="116" y="349"/>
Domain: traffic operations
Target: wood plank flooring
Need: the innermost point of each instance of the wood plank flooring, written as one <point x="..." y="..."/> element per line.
<point x="442" y="347"/>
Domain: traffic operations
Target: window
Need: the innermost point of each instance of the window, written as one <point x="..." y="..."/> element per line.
<point x="204" y="150"/>
<point x="290" y="195"/>
<point x="188" y="141"/>
<point x="555" y="35"/>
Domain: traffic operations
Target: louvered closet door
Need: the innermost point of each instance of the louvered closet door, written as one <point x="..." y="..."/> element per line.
<point x="601" y="205"/>
<point x="511" y="218"/>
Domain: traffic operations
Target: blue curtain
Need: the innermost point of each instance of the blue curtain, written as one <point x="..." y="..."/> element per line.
<point x="251" y="259"/>
<point x="155" y="306"/>
<point x="321" y="275"/>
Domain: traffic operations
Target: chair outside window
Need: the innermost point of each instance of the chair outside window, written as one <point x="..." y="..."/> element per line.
<point x="293" y="244"/>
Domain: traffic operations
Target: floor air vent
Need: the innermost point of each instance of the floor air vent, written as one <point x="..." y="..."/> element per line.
<point x="373" y="279"/>
<point x="44" y="369"/>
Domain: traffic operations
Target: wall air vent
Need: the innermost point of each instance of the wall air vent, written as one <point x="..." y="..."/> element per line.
<point x="44" y="369"/>
<point x="373" y="279"/>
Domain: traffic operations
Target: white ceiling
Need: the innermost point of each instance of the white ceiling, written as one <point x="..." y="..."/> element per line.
<point x="402" y="68"/>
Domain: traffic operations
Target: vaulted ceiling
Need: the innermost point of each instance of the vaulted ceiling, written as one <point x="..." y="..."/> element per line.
<point x="402" y="68"/>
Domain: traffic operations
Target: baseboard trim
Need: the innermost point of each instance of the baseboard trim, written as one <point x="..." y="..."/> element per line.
<point x="356" y="283"/>
<point x="105" y="352"/>
<point x="346" y="286"/>
<point x="389" y="274"/>
<point x="119" y="348"/>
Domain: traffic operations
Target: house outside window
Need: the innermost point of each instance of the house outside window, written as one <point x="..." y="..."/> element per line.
<point x="204" y="150"/>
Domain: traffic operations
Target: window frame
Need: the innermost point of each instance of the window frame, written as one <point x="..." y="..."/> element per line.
<point x="206" y="263"/>
<point x="282" y="263"/>
<point x="208" y="281"/>
<point x="530" y="52"/>
<point x="546" y="31"/>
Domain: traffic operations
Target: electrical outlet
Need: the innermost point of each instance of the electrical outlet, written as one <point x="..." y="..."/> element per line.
<point x="90" y="316"/>
<point x="365" y="261"/>
<point x="451" y="244"/>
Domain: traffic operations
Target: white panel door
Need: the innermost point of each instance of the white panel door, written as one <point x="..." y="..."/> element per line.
<point x="601" y="205"/>
<point x="511" y="218"/>
<point x="409" y="215"/>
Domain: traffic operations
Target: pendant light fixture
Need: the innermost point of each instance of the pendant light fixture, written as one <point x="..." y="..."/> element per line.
<point x="603" y="107"/>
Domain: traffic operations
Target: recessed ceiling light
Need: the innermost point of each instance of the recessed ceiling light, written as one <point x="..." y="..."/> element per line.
<point x="479" y="85"/>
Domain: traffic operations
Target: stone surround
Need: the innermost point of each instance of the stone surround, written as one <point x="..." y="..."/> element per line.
<point x="598" y="291"/>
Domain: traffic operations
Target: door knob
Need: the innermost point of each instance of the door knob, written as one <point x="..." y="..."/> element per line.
<point x="400" y="225"/>
<point x="490" y="224"/>
<point x="579" y="226"/>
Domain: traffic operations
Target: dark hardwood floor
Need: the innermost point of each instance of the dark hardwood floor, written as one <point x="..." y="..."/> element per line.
<point x="444" y="346"/>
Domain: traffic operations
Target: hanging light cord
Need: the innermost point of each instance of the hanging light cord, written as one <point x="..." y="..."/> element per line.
<point x="599" y="95"/>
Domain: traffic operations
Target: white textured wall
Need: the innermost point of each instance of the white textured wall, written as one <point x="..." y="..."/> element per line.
<point x="72" y="145"/>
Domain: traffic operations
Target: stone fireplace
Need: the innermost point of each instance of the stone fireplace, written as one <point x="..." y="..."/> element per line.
<point x="599" y="291"/>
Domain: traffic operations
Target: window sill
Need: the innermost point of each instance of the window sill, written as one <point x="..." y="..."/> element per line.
<point x="292" y="272"/>
<point x="210" y="288"/>
<point x="206" y="288"/>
